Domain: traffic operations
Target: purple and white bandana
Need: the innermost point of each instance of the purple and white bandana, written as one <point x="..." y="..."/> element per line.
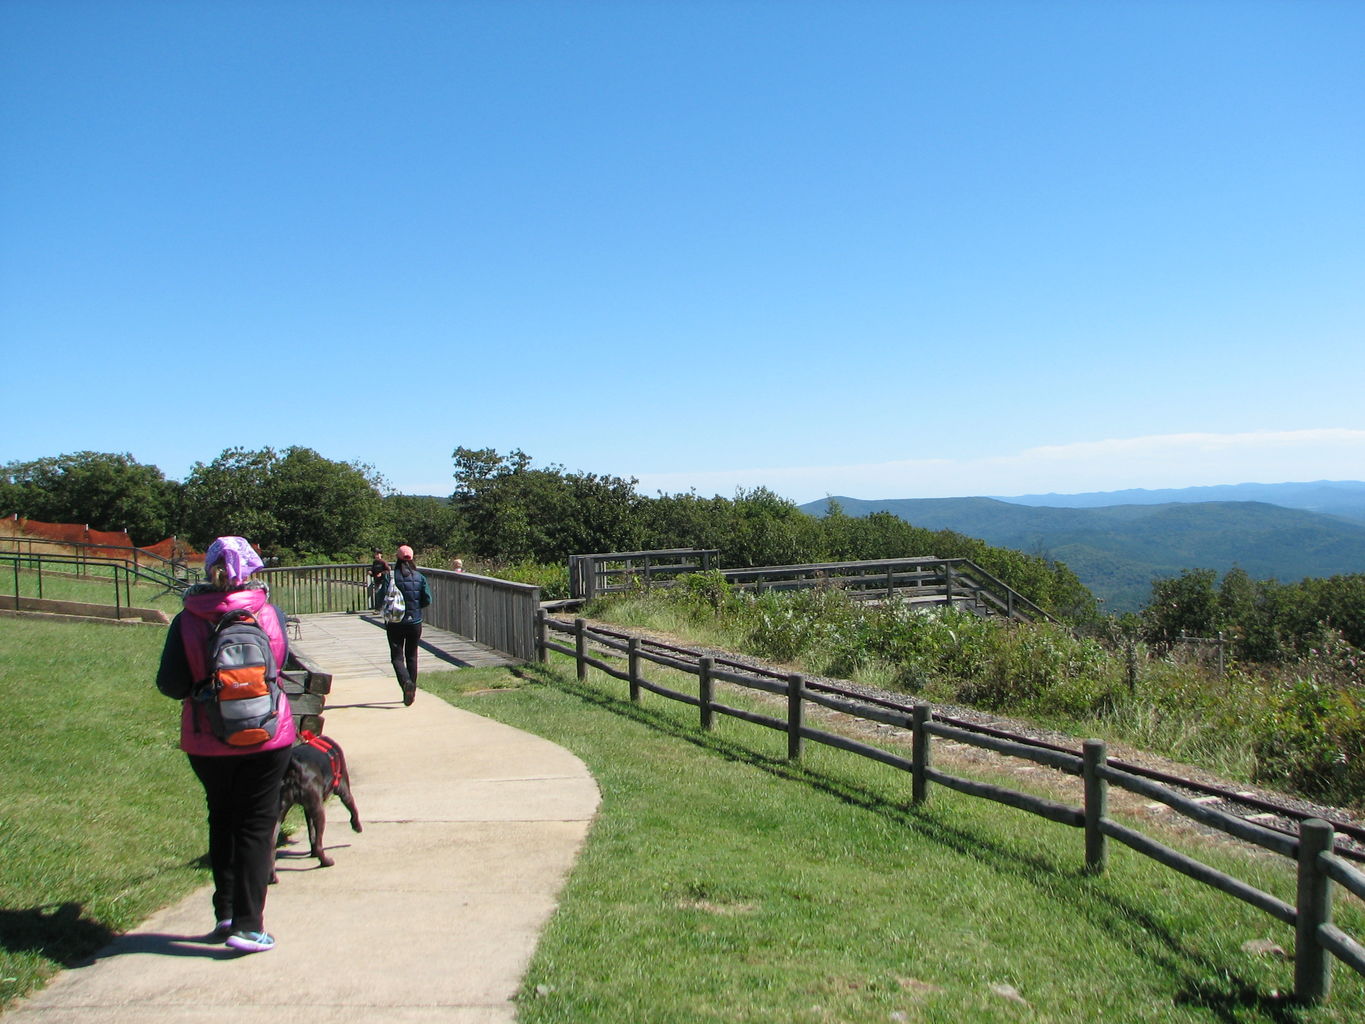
<point x="239" y="558"/>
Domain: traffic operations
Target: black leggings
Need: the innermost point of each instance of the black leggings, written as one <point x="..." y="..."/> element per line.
<point x="403" y="642"/>
<point x="243" y="795"/>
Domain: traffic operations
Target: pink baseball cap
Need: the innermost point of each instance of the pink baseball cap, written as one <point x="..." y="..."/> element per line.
<point x="405" y="552"/>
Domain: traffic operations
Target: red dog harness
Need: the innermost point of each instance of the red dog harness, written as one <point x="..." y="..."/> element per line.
<point x="329" y="748"/>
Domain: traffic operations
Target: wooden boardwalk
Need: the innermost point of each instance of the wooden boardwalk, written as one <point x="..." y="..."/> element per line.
<point x="351" y="645"/>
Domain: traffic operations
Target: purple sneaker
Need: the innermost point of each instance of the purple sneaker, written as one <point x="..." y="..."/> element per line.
<point x="251" y="942"/>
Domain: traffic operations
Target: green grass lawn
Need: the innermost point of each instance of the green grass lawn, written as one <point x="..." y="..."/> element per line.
<point x="721" y="883"/>
<point x="96" y="588"/>
<point x="101" y="819"/>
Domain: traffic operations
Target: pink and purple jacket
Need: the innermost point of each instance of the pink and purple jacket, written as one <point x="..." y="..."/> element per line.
<point x="184" y="662"/>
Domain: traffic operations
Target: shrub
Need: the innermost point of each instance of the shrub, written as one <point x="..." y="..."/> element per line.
<point x="553" y="579"/>
<point x="1312" y="731"/>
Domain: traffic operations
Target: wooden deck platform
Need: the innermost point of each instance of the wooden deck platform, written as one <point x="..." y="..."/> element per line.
<point x="347" y="644"/>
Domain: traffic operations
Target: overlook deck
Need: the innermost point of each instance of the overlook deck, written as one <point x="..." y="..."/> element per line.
<point x="355" y="645"/>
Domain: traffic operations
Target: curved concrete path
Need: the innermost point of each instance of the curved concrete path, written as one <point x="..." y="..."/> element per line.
<point x="430" y="914"/>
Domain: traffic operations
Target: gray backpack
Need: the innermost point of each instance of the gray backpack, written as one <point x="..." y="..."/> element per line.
<point x="392" y="606"/>
<point x="241" y="696"/>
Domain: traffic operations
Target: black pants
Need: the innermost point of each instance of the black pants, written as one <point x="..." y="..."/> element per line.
<point x="403" y="638"/>
<point x="243" y="795"/>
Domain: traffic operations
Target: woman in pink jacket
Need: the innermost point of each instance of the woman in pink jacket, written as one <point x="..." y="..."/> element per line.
<point x="241" y="783"/>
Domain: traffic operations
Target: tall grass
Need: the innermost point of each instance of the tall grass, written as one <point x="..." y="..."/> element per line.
<point x="1298" y="727"/>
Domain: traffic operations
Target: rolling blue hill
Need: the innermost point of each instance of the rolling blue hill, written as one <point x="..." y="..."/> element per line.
<point x="1118" y="549"/>
<point x="1345" y="498"/>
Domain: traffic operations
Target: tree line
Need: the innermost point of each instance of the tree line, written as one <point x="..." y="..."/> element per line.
<point x="1263" y="621"/>
<point x="301" y="507"/>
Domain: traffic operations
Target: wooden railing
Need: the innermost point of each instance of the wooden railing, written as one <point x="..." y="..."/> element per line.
<point x="309" y="589"/>
<point x="592" y="576"/>
<point x="494" y="612"/>
<point x="1318" y="868"/>
<point x="949" y="581"/>
<point x="928" y="580"/>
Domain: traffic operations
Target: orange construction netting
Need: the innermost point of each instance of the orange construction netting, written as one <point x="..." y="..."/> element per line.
<point x="103" y="543"/>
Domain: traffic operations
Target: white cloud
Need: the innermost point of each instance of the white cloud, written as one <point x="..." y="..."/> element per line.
<point x="1157" y="461"/>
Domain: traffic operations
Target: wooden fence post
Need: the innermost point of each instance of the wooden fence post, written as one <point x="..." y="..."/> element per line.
<point x="704" y="688"/>
<point x="795" y="715"/>
<point x="580" y="643"/>
<point x="542" y="636"/>
<point x="919" y="715"/>
<point x="1096" y="805"/>
<point x="1312" y="961"/>
<point x="633" y="661"/>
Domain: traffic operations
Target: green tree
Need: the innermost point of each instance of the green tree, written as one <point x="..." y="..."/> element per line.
<point x="292" y="504"/>
<point x="426" y="523"/>
<point x="323" y="508"/>
<point x="768" y="529"/>
<point x="517" y="513"/>
<point x="104" y="490"/>
<point x="229" y="497"/>
<point x="1184" y="604"/>
<point x="686" y="521"/>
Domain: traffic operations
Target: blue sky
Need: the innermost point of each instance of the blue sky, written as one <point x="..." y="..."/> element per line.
<point x="878" y="249"/>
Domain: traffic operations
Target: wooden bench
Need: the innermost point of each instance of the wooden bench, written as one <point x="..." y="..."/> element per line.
<point x="307" y="686"/>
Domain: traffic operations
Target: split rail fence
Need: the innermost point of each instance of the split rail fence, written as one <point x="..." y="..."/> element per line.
<point x="1318" y="939"/>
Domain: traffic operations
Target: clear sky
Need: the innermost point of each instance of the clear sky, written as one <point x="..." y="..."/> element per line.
<point x="881" y="249"/>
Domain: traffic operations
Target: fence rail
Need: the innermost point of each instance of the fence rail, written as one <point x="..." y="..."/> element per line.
<point x="591" y="576"/>
<point x="141" y="562"/>
<point x="1318" y="867"/>
<point x="497" y="613"/>
<point x="120" y="574"/>
<point x="953" y="581"/>
<point x="309" y="589"/>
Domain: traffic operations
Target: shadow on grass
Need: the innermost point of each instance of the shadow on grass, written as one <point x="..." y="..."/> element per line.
<point x="58" y="932"/>
<point x="1198" y="980"/>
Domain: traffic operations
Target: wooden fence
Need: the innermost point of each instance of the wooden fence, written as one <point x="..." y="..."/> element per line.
<point x="494" y="612"/>
<point x="490" y="611"/>
<point x="943" y="581"/>
<point x="308" y="589"/>
<point x="1319" y="869"/>
<point x="591" y="576"/>
<point x="952" y="581"/>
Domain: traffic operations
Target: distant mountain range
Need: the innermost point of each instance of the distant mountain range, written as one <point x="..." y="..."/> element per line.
<point x="1117" y="542"/>
<point x="1332" y="498"/>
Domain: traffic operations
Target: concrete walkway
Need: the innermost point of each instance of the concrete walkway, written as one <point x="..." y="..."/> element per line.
<point x="430" y="914"/>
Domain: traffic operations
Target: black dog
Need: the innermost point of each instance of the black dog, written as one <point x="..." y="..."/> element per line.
<point x="317" y="769"/>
